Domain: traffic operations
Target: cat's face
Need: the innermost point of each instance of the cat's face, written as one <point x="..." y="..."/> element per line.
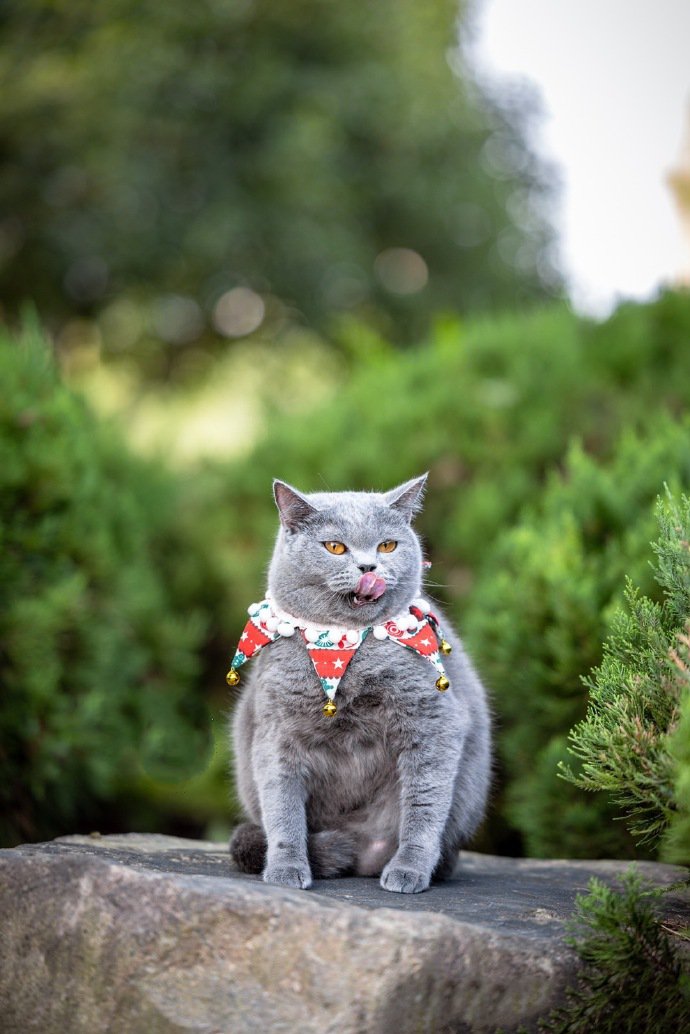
<point x="349" y="558"/>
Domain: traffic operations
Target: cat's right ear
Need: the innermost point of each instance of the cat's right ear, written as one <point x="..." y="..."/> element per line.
<point x="293" y="508"/>
<point x="407" y="498"/>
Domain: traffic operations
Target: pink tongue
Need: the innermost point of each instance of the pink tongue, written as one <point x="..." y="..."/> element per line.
<point x="371" y="586"/>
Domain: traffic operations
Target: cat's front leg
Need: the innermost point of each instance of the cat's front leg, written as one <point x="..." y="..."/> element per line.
<point x="427" y="773"/>
<point x="282" y="797"/>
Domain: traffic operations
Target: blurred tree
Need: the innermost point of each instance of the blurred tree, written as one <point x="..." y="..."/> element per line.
<point x="323" y="158"/>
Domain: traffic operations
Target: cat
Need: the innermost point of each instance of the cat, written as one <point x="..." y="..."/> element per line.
<point x="396" y="780"/>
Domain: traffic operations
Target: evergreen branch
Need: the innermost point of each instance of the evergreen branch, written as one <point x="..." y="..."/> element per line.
<point x="636" y="694"/>
<point x="633" y="980"/>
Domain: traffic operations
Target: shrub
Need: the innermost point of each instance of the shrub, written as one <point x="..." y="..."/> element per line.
<point x="636" y="696"/>
<point x="539" y="616"/>
<point x="633" y="979"/>
<point x="99" y="630"/>
<point x="676" y="844"/>
<point x="490" y="407"/>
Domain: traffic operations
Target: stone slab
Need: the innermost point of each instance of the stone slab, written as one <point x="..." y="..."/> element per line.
<point x="142" y="934"/>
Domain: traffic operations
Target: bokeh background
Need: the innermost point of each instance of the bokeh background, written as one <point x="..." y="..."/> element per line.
<point x="329" y="243"/>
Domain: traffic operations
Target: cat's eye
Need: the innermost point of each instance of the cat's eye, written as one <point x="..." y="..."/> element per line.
<point x="387" y="546"/>
<point x="336" y="547"/>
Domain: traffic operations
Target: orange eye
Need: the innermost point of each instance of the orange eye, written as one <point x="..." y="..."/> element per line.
<point x="336" y="547"/>
<point x="388" y="546"/>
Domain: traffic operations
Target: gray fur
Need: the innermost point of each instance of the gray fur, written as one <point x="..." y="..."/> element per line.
<point x="398" y="779"/>
<point x="331" y="852"/>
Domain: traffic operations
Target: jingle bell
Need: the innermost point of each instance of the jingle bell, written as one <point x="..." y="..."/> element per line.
<point x="442" y="683"/>
<point x="329" y="709"/>
<point x="233" y="677"/>
<point x="445" y="647"/>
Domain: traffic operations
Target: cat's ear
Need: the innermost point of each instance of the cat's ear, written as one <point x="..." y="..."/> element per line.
<point x="407" y="498"/>
<point x="293" y="508"/>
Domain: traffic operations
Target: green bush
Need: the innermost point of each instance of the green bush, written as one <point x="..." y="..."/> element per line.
<point x="539" y="616"/>
<point x="634" y="979"/>
<point x="636" y="695"/>
<point x="99" y="627"/>
<point x="676" y="843"/>
<point x="489" y="407"/>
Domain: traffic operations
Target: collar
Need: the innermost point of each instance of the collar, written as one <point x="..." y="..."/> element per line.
<point x="332" y="648"/>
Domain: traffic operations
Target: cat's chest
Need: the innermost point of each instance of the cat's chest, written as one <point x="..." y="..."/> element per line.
<point x="355" y="751"/>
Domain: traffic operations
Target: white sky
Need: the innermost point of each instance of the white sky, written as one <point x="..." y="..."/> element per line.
<point x="614" y="79"/>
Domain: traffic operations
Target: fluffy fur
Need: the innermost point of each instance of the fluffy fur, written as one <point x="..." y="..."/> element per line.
<point x="397" y="780"/>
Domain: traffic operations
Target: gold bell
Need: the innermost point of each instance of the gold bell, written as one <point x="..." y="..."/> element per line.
<point x="445" y="647"/>
<point x="442" y="683"/>
<point x="233" y="677"/>
<point x="329" y="709"/>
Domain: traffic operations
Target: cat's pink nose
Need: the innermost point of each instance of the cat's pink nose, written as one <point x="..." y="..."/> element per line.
<point x="371" y="586"/>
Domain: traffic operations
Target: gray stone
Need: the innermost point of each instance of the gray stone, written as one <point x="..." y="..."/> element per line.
<point x="154" y="935"/>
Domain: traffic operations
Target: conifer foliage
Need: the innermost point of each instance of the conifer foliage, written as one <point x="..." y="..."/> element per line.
<point x="638" y="693"/>
<point x="546" y="601"/>
<point x="633" y="980"/>
<point x="677" y="837"/>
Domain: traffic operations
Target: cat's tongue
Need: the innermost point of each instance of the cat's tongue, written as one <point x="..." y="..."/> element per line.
<point x="369" y="588"/>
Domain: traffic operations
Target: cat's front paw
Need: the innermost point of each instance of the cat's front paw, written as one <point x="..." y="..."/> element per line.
<point x="404" y="880"/>
<point x="288" y="875"/>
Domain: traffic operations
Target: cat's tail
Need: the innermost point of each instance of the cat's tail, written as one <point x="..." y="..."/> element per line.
<point x="331" y="852"/>
<point x="248" y="848"/>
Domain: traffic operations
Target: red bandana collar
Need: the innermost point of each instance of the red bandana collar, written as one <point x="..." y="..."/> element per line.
<point x="331" y="649"/>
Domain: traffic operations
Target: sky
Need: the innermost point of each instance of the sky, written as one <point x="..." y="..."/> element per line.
<point x="614" y="82"/>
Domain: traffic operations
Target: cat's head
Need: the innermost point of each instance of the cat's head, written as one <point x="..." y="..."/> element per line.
<point x="349" y="558"/>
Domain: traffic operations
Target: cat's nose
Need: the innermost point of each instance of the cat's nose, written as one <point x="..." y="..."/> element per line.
<point x="366" y="567"/>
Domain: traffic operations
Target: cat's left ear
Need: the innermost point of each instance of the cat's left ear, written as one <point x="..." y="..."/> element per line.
<point x="293" y="508"/>
<point x="407" y="498"/>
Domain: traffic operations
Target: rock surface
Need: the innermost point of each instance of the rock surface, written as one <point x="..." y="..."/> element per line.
<point x="154" y="935"/>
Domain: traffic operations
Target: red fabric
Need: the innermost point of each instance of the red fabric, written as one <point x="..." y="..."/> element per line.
<point x="254" y="640"/>
<point x="330" y="664"/>
<point x="424" y="641"/>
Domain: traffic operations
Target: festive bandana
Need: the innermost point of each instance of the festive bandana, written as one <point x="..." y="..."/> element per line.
<point x="331" y="649"/>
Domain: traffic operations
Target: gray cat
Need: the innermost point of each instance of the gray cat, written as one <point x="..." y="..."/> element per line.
<point x="396" y="780"/>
